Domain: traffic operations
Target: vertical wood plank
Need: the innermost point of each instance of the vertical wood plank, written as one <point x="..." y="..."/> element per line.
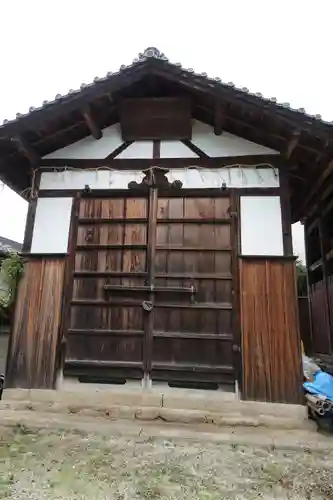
<point x="32" y="354"/>
<point x="270" y="331"/>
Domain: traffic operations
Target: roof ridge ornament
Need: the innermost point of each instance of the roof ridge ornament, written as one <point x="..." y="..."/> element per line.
<point x="152" y="52"/>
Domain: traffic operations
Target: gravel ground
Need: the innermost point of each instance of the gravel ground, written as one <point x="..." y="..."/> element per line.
<point x="43" y="465"/>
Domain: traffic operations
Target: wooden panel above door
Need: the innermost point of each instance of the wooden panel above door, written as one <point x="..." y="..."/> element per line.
<point x="155" y="118"/>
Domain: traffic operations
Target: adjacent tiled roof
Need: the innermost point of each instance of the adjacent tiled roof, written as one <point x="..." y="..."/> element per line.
<point x="155" y="54"/>
<point x="7" y="245"/>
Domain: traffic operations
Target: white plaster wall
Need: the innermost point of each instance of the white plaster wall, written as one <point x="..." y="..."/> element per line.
<point x="90" y="147"/>
<point x="175" y="149"/>
<point x="261" y="225"/>
<point x="202" y="136"/>
<point x="139" y="149"/>
<point x="51" y="228"/>
<point x="225" y="144"/>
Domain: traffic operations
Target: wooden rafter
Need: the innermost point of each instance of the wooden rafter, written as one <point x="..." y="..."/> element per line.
<point x="318" y="184"/>
<point x="24" y="147"/>
<point x="254" y="129"/>
<point x="293" y="143"/>
<point x="218" y="119"/>
<point x="92" y="123"/>
<point x="194" y="148"/>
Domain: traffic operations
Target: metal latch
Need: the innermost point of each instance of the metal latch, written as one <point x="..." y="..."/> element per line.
<point x="147" y="305"/>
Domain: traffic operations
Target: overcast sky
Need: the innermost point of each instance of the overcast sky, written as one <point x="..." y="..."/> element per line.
<point x="279" y="48"/>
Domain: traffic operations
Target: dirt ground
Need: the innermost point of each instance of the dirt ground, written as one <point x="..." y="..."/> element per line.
<point x="66" y="464"/>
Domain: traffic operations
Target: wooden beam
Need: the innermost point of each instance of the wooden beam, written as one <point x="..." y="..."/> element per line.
<point x="194" y="148"/>
<point x="137" y="163"/>
<point x="118" y="150"/>
<point x="24" y="147"/>
<point x="156" y="149"/>
<point x="199" y="193"/>
<point x="324" y="247"/>
<point x="91" y="122"/>
<point x="76" y="101"/>
<point x="254" y="129"/>
<point x="285" y="213"/>
<point x="218" y="119"/>
<point x="29" y="225"/>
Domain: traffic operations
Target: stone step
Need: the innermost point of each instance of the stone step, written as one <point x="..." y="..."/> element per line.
<point x="230" y="415"/>
<point x="212" y="401"/>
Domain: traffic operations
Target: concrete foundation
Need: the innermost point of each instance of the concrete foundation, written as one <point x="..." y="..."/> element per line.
<point x="169" y="405"/>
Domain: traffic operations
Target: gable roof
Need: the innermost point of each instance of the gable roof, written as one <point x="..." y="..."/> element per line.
<point x="60" y="122"/>
<point x="152" y="55"/>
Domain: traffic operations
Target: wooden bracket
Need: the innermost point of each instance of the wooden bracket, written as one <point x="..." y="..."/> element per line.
<point x="94" y="128"/>
<point x="23" y="146"/>
<point x="293" y="143"/>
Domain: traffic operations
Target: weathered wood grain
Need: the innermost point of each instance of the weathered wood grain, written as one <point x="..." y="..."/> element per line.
<point x="270" y="332"/>
<point x="154" y="248"/>
<point x="32" y="355"/>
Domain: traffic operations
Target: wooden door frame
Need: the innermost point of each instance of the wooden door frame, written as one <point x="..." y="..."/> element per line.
<point x="68" y="285"/>
<point x="236" y="321"/>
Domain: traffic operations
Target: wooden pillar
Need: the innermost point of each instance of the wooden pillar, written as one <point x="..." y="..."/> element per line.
<point x="324" y="248"/>
<point x="306" y="247"/>
<point x="270" y="330"/>
<point x="31" y="214"/>
<point x="286" y="213"/>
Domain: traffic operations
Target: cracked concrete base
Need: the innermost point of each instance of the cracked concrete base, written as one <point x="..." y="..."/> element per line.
<point x="172" y="405"/>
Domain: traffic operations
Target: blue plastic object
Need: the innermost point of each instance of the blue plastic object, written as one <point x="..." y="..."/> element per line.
<point x="322" y="385"/>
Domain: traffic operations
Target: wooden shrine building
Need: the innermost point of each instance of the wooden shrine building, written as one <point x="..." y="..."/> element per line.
<point x="158" y="241"/>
